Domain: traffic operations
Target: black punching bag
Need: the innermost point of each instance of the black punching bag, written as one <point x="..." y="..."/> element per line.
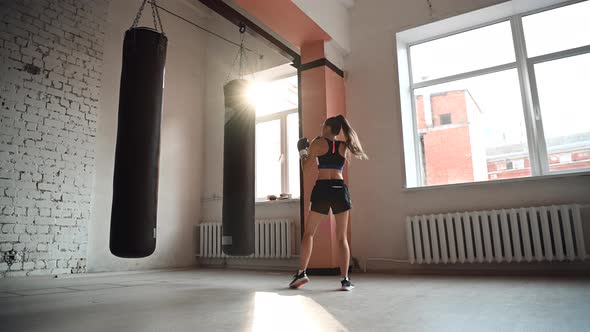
<point x="238" y="170"/>
<point x="135" y="184"/>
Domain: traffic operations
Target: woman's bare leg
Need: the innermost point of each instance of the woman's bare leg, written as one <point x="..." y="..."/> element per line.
<point x="342" y="240"/>
<point x="313" y="221"/>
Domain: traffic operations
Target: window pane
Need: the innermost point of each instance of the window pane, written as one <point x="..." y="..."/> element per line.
<point x="558" y="29"/>
<point x="292" y="137"/>
<point x="274" y="97"/>
<point x="472" y="130"/>
<point x="563" y="97"/>
<point x="268" y="154"/>
<point x="464" y="52"/>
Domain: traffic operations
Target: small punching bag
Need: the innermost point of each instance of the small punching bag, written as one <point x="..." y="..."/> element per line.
<point x="135" y="184"/>
<point x="238" y="170"/>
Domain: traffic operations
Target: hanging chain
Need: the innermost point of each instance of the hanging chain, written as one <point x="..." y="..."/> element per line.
<point x="159" y="20"/>
<point x="155" y="15"/>
<point x="240" y="56"/>
<point x="232" y="68"/>
<point x="138" y="16"/>
<point x="255" y="65"/>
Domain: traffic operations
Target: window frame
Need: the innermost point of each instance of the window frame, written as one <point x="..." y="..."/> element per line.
<point x="536" y="143"/>
<point x="282" y="116"/>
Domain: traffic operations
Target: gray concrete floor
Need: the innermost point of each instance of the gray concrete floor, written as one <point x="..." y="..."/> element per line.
<point x="226" y="300"/>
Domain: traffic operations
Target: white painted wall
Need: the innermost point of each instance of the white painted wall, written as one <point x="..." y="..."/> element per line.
<point x="332" y="16"/>
<point x="48" y="130"/>
<point x="373" y="104"/>
<point x="182" y="138"/>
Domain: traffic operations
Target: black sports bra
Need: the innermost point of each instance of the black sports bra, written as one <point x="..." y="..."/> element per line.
<point x="332" y="159"/>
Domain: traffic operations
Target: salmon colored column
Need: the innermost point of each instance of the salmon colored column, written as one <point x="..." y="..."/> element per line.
<point x="323" y="96"/>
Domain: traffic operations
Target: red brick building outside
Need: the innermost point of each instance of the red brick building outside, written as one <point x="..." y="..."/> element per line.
<point x="454" y="151"/>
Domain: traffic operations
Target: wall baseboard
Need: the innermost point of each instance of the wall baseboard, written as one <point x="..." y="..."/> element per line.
<point x="289" y="264"/>
<point x="578" y="268"/>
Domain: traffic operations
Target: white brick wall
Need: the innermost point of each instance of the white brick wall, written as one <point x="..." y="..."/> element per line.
<point x="50" y="62"/>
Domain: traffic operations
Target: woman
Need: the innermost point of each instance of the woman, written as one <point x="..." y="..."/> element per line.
<point x="329" y="192"/>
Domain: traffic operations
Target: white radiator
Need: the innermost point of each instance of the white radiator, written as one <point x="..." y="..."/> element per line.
<point x="273" y="239"/>
<point x="544" y="233"/>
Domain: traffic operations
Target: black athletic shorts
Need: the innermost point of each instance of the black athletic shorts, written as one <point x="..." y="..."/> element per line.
<point x="328" y="194"/>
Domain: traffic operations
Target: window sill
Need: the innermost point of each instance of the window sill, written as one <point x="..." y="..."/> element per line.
<point x="494" y="182"/>
<point x="257" y="202"/>
<point x="278" y="201"/>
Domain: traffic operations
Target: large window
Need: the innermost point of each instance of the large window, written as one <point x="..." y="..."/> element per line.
<point x="502" y="100"/>
<point x="277" y="132"/>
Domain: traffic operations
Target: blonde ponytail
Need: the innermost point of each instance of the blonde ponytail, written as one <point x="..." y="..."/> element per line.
<point x="352" y="140"/>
